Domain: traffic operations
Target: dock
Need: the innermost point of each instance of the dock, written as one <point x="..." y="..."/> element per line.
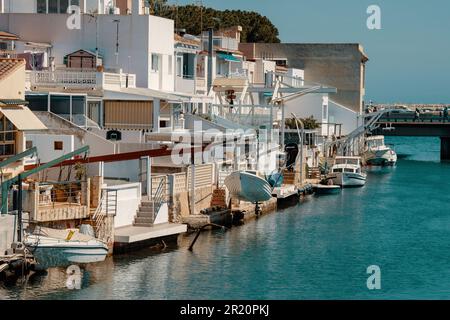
<point x="135" y="236"/>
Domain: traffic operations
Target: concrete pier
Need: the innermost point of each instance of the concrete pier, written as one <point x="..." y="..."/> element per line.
<point x="445" y="148"/>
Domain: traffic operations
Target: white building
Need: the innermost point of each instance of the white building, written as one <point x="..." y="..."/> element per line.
<point x="137" y="43"/>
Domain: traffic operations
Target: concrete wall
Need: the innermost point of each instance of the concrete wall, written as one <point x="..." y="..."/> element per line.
<point x="45" y="143"/>
<point x="336" y="65"/>
<point x="13" y="86"/>
<point x="6" y="232"/>
<point x="128" y="201"/>
<point x="139" y="36"/>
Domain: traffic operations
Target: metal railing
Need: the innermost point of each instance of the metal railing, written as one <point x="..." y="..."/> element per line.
<point x="158" y="199"/>
<point x="107" y="206"/>
<point x="63" y="78"/>
<point x="63" y="193"/>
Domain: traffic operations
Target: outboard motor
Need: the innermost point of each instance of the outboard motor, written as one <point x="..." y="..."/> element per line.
<point x="291" y="150"/>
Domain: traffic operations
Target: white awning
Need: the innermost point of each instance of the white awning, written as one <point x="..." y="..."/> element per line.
<point x="142" y="94"/>
<point x="22" y="118"/>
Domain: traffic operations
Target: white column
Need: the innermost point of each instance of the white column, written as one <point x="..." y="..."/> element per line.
<point x="156" y="113"/>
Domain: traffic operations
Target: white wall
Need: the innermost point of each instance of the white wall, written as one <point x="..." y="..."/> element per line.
<point x="309" y="105"/>
<point x="128" y="201"/>
<point x="163" y="214"/>
<point x="6" y="232"/>
<point x="45" y="144"/>
<point x="340" y="114"/>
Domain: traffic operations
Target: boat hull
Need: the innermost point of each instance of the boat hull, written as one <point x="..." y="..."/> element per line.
<point x="248" y="187"/>
<point x="326" y="190"/>
<point x="386" y="157"/>
<point x="56" y="253"/>
<point x="349" y="179"/>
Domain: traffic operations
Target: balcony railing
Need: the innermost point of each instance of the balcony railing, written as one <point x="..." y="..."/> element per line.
<point x="190" y="84"/>
<point x="79" y="79"/>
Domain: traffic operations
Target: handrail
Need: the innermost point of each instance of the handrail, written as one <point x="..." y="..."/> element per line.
<point x="158" y="199"/>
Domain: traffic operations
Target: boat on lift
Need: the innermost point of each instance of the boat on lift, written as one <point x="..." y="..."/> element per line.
<point x="60" y="248"/>
<point x="247" y="186"/>
<point x="347" y="172"/>
<point x="377" y="153"/>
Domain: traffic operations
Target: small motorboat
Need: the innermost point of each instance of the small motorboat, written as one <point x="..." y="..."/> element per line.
<point x="59" y="248"/>
<point x="346" y="172"/>
<point x="377" y="153"/>
<point x="322" y="189"/>
<point x="247" y="186"/>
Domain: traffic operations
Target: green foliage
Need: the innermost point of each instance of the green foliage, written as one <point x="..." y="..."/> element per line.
<point x="310" y="123"/>
<point x="255" y="27"/>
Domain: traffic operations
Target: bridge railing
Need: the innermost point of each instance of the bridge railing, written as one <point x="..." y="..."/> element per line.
<point x="408" y="118"/>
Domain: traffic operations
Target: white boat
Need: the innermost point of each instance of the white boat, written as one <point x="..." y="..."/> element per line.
<point x="58" y="248"/>
<point x="247" y="186"/>
<point x="377" y="153"/>
<point x="346" y="172"/>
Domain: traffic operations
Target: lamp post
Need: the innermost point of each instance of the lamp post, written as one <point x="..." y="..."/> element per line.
<point x="117" y="22"/>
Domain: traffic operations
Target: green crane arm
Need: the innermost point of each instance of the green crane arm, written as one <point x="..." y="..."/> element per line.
<point x="7" y="184"/>
<point x="17" y="157"/>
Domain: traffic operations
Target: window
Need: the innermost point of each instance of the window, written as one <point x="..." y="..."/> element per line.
<point x="170" y="64"/>
<point x="53" y="6"/>
<point x="325" y="112"/>
<point x="179" y="66"/>
<point x="41" y="6"/>
<point x="7" y="137"/>
<point x="58" y="145"/>
<point x="155" y="62"/>
<point x="28" y="144"/>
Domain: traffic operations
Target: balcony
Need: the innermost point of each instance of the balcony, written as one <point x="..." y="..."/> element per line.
<point x="190" y="84"/>
<point x="79" y="79"/>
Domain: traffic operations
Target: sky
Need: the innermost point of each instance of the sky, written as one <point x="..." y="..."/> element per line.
<point x="409" y="56"/>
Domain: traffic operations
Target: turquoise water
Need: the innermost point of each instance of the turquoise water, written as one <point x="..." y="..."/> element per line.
<point x="319" y="249"/>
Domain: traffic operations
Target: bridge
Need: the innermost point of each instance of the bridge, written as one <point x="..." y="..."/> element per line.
<point x="406" y="124"/>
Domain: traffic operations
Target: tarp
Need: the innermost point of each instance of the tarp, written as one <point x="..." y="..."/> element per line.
<point x="228" y="57"/>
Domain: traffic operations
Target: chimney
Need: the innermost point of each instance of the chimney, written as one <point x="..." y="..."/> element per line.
<point x="138" y="7"/>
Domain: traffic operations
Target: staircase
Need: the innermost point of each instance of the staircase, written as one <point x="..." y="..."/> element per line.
<point x="313" y="173"/>
<point x="149" y="208"/>
<point x="219" y="198"/>
<point x="288" y="177"/>
<point x="145" y="215"/>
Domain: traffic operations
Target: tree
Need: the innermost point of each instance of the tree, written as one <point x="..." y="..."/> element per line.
<point x="255" y="27"/>
<point x="309" y="123"/>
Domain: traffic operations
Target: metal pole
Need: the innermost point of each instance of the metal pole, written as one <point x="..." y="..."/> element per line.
<point x="192" y="181"/>
<point x="210" y="57"/>
<point x="19" y="210"/>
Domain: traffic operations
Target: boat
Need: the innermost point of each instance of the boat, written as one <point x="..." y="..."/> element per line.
<point x="247" y="186"/>
<point x="322" y="189"/>
<point x="59" y="248"/>
<point x="377" y="153"/>
<point x="346" y="172"/>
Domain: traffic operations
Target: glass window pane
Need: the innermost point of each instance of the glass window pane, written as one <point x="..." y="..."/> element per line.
<point x="52" y="6"/>
<point x="37" y="102"/>
<point x="41" y="6"/>
<point x="63" y="5"/>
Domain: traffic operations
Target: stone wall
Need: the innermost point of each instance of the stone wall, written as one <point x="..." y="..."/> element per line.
<point x="6" y="232"/>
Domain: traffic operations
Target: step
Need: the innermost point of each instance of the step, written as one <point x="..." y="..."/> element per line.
<point x="148" y="225"/>
<point x="146" y="204"/>
<point x="145" y="220"/>
<point x="145" y="208"/>
<point x="145" y="214"/>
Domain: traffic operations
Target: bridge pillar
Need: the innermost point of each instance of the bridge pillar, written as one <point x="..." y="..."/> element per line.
<point x="445" y="148"/>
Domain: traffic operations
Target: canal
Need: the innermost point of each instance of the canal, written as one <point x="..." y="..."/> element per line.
<point x="319" y="249"/>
